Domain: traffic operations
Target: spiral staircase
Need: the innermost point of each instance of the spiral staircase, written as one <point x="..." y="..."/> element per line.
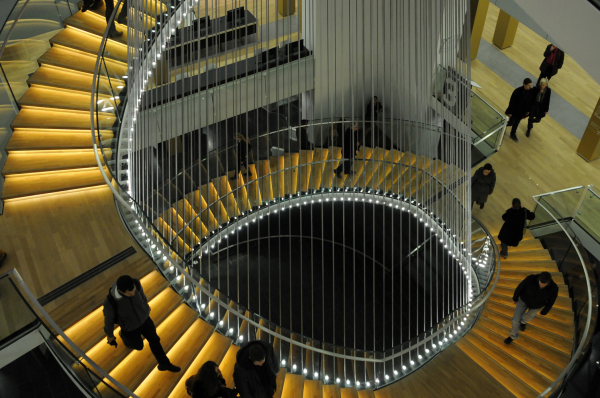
<point x="50" y="151"/>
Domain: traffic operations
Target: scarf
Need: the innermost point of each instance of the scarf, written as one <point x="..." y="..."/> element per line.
<point x="540" y="96"/>
<point x="552" y="57"/>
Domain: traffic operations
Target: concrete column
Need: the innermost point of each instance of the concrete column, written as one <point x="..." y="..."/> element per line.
<point x="589" y="146"/>
<point x="506" y="29"/>
<point x="479" y="9"/>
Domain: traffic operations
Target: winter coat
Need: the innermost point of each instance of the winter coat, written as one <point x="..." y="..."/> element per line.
<point x="482" y="185"/>
<point x="539" y="110"/>
<point x="558" y="63"/>
<point x="511" y="232"/>
<point x="132" y="312"/>
<point x="253" y="381"/>
<point x="520" y="102"/>
<point x="535" y="297"/>
<point x="349" y="144"/>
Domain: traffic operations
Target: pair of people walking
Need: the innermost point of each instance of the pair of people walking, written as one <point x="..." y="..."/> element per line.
<point x="527" y="102"/>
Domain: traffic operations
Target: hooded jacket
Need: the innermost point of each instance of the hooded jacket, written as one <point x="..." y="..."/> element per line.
<point x="482" y="185"/>
<point x="511" y="232"/>
<point x="535" y="297"/>
<point x="253" y="381"/>
<point x="132" y="312"/>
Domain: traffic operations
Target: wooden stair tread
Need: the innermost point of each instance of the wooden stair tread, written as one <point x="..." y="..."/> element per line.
<point x="527" y="236"/>
<point x="76" y="60"/>
<point x="95" y="24"/>
<point x="536" y="381"/>
<point x="525" y="245"/>
<point x="138" y="364"/>
<point x="280" y="381"/>
<point x="50" y="76"/>
<point x="47" y="97"/>
<point x="214" y="350"/>
<point x="52" y="139"/>
<point x="511" y="382"/>
<point x="563" y="290"/>
<point x="19" y="186"/>
<point x="59" y="119"/>
<point x="540" y="321"/>
<point x="366" y="393"/>
<point x="228" y="364"/>
<point x="107" y="357"/>
<point x="183" y="352"/>
<point x="348" y="392"/>
<point x="529" y="255"/>
<point x="293" y="387"/>
<point x="522" y="274"/>
<point x="556" y="314"/>
<point x="89" y="330"/>
<point x="89" y="43"/>
<point x="533" y="266"/>
<point x="563" y="303"/>
<point x="313" y="389"/>
<point x="28" y="162"/>
<point x="331" y="391"/>
<point x="521" y="354"/>
<point x="531" y="341"/>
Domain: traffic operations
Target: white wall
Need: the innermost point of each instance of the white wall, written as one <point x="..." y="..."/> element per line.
<point x="574" y="24"/>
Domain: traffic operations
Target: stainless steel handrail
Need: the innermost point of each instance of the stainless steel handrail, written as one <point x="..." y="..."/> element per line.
<point x="559" y="191"/>
<point x="62" y="334"/>
<point x="12" y="27"/>
<point x="590" y="308"/>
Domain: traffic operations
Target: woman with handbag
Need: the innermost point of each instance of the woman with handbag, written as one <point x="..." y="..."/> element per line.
<point x="540" y="103"/>
<point x="513" y="229"/>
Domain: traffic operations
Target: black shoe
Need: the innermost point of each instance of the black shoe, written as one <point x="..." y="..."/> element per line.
<point x="528" y="133"/>
<point x="113" y="32"/>
<point x="522" y="327"/>
<point x="170" y="367"/>
<point x="481" y="205"/>
<point x="507" y="340"/>
<point x="514" y="138"/>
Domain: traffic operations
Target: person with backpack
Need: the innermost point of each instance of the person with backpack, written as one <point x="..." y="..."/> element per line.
<point x="127" y="306"/>
<point x="514" y="225"/>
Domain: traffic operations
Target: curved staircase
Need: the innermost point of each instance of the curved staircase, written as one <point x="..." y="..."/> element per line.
<point x="533" y="361"/>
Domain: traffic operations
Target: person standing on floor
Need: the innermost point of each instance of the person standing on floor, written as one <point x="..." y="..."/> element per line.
<point x="553" y="61"/>
<point x="515" y="220"/>
<point x="482" y="185"/>
<point x="127" y="306"/>
<point x="540" y="103"/>
<point x="518" y="107"/>
<point x="242" y="156"/>
<point x="350" y="145"/>
<point x="255" y="371"/>
<point x="534" y="293"/>
<point x="374" y="109"/>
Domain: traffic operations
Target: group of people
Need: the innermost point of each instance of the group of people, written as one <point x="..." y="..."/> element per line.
<point x="534" y="103"/>
<point x="255" y="371"/>
<point x="537" y="292"/>
<point x="110" y="8"/>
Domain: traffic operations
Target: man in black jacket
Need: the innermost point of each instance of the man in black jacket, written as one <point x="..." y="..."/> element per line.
<point x="255" y="372"/>
<point x="540" y="103"/>
<point x="534" y="293"/>
<point x="127" y="306"/>
<point x="518" y="107"/>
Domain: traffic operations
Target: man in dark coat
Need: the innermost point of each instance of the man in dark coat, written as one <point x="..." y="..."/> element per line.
<point x="255" y="371"/>
<point x="518" y="107"/>
<point x="482" y="184"/>
<point x="511" y="232"/>
<point x="374" y="109"/>
<point x="534" y="293"/>
<point x="349" y="147"/>
<point x="553" y="61"/>
<point x="540" y="103"/>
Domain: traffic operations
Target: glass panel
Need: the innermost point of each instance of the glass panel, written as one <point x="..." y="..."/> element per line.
<point x="14" y="310"/>
<point x="588" y="215"/>
<point x="484" y="119"/>
<point x="561" y="204"/>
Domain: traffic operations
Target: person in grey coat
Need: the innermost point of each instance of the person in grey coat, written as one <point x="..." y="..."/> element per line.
<point x="127" y="306"/>
<point x="482" y="185"/>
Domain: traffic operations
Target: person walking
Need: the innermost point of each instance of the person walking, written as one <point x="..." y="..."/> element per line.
<point x="127" y="306"/>
<point x="553" y="61"/>
<point x="350" y="145"/>
<point x="482" y="185"/>
<point x="518" y="107"/>
<point x="540" y="103"/>
<point x="511" y="232"/>
<point x="374" y="109"/>
<point x="256" y="369"/>
<point x="536" y="292"/>
<point x="242" y="156"/>
<point x="209" y="383"/>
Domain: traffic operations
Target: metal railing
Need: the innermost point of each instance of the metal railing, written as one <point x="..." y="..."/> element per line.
<point x="563" y="207"/>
